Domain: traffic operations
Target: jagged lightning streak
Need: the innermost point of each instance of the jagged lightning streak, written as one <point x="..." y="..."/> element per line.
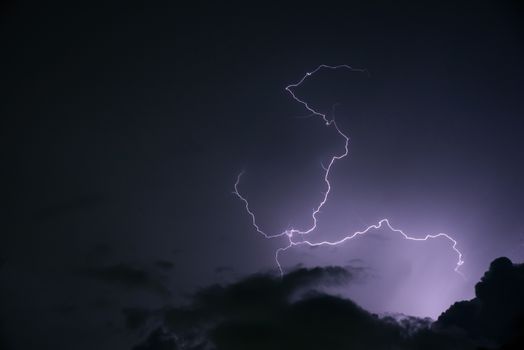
<point x="290" y="233"/>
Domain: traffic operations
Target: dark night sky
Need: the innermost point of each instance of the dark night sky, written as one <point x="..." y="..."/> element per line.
<point x="124" y="128"/>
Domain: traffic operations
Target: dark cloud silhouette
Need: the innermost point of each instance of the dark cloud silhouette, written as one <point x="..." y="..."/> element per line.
<point x="494" y="316"/>
<point x="265" y="312"/>
<point x="517" y="341"/>
<point x="126" y="276"/>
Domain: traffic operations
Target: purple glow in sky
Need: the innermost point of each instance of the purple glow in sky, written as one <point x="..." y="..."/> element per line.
<point x="291" y="233"/>
<point x="125" y="129"/>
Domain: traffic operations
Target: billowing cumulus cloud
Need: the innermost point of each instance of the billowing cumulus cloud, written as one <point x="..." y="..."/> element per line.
<point x="265" y="312"/>
<point x="496" y="314"/>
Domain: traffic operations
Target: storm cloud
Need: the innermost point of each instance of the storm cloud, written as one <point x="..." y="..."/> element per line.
<point x="263" y="311"/>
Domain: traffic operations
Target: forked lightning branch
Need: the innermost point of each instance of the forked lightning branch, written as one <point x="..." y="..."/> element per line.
<point x="296" y="236"/>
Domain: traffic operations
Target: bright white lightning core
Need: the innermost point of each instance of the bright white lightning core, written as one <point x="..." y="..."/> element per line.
<point x="293" y="232"/>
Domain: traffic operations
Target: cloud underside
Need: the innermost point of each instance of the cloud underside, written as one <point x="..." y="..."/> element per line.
<point x="265" y="312"/>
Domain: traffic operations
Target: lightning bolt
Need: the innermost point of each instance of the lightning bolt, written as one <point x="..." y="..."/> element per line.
<point x="291" y="233"/>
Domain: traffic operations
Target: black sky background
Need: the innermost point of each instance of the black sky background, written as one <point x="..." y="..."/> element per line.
<point x="124" y="126"/>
